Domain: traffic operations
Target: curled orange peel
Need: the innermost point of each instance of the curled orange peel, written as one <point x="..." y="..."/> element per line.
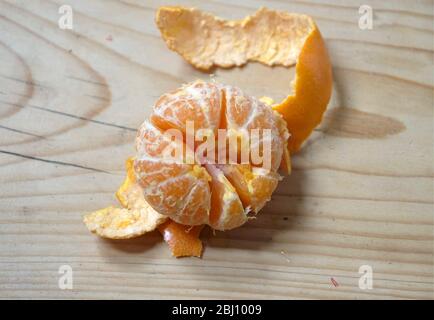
<point x="269" y="37"/>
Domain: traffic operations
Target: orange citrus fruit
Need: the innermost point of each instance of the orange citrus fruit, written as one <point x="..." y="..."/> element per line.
<point x="219" y="195"/>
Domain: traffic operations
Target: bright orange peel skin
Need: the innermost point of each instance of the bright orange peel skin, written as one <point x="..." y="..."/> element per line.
<point x="183" y="240"/>
<point x="313" y="84"/>
<point x="268" y="36"/>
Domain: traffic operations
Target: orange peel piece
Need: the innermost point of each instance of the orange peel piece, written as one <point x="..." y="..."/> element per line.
<point x="183" y="240"/>
<point x="117" y="223"/>
<point x="135" y="219"/>
<point x="129" y="193"/>
<point x="269" y="37"/>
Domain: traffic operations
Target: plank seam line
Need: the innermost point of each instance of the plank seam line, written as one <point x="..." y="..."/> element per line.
<point x="62" y="163"/>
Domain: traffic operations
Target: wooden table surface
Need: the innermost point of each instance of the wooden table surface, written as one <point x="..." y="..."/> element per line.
<point x="361" y="192"/>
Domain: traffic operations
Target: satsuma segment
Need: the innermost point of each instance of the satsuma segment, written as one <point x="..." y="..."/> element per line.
<point x="199" y="101"/>
<point x="227" y="211"/>
<point x="173" y="188"/>
<point x="254" y="185"/>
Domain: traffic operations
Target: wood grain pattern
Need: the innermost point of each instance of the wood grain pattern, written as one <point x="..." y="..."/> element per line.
<point x="361" y="191"/>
